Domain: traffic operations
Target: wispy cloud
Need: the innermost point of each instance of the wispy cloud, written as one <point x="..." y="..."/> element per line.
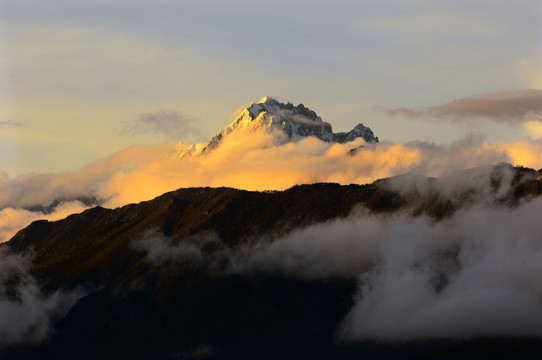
<point x="508" y="106"/>
<point x="8" y="124"/>
<point x="173" y="124"/>
<point x="26" y="313"/>
<point x="14" y="219"/>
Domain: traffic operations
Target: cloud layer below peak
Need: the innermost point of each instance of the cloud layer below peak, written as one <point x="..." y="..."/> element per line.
<point x="255" y="161"/>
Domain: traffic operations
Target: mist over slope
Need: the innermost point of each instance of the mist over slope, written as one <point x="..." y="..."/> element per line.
<point x="448" y="265"/>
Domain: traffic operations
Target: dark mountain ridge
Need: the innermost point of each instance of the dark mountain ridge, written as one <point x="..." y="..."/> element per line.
<point x="237" y="215"/>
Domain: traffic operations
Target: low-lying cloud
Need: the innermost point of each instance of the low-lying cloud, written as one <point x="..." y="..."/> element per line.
<point x="193" y="249"/>
<point x="26" y="313"/>
<point x="326" y="250"/>
<point x="257" y="161"/>
<point x="14" y="219"/>
<point x="508" y="106"/>
<point x="475" y="273"/>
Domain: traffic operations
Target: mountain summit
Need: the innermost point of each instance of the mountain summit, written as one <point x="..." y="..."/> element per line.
<point x="294" y="121"/>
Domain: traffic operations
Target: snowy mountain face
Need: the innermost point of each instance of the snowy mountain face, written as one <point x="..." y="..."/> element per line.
<point x="294" y="121"/>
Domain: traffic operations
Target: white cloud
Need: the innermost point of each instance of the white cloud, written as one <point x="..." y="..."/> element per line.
<point x="26" y="313"/>
<point x="475" y="274"/>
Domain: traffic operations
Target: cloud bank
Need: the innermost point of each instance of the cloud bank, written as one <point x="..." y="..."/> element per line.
<point x="475" y="274"/>
<point x="259" y="161"/>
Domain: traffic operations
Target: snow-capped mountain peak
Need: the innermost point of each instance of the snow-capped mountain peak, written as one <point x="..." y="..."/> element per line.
<point x="296" y="122"/>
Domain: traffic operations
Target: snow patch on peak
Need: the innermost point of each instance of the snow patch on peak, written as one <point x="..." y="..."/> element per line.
<point x="269" y="102"/>
<point x="266" y="99"/>
<point x="266" y="104"/>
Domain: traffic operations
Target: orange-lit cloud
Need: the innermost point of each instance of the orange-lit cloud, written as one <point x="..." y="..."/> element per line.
<point x="255" y="161"/>
<point x="524" y="152"/>
<point x="13" y="219"/>
<point x="534" y="128"/>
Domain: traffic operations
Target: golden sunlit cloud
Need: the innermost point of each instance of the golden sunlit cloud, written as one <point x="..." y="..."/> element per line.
<point x="534" y="128"/>
<point x="12" y="220"/>
<point x="524" y="152"/>
<point x="256" y="161"/>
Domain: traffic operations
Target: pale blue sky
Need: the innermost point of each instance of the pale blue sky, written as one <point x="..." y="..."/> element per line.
<point x="75" y="73"/>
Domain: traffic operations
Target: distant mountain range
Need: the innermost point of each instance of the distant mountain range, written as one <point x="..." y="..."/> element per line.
<point x="295" y="122"/>
<point x="160" y="283"/>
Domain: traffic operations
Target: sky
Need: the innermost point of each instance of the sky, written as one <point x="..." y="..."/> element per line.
<point x="78" y="78"/>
